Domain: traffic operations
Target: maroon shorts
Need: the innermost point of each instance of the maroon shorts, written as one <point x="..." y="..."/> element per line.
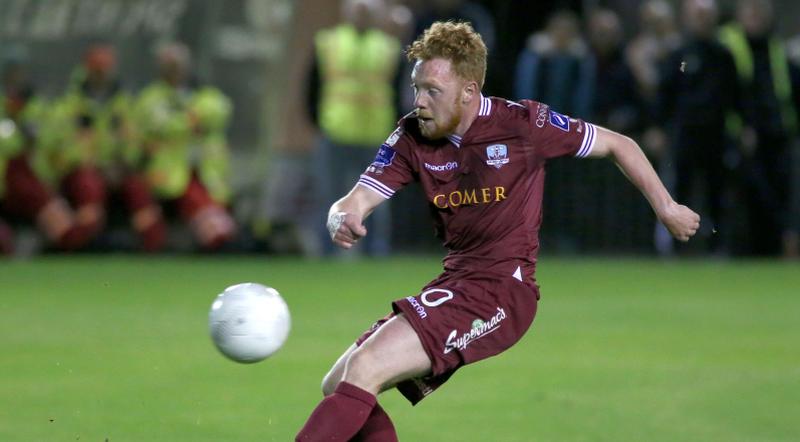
<point x="194" y="199"/>
<point x="26" y="195"/>
<point x="84" y="186"/>
<point x="136" y="193"/>
<point x="462" y="317"/>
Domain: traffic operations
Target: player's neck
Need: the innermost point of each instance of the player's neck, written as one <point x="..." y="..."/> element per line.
<point x="470" y="114"/>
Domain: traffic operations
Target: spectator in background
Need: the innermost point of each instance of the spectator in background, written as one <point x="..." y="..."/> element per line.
<point x="615" y="103"/>
<point x="772" y="95"/>
<point x="352" y="101"/>
<point x="24" y="194"/>
<point x="458" y="10"/>
<point x="399" y="23"/>
<point x="89" y="147"/>
<point x="658" y="36"/>
<point x="429" y="12"/>
<point x="697" y="93"/>
<point x="185" y="154"/>
<point x="793" y="49"/>
<point x="554" y="67"/>
<point x="6" y="238"/>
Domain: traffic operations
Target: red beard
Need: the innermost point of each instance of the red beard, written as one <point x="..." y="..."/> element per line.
<point x="441" y="130"/>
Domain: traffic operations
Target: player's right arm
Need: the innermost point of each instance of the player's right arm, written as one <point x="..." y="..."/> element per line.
<point x="346" y="216"/>
<point x="389" y="171"/>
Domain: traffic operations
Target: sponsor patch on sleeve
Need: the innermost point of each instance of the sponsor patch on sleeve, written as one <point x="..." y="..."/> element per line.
<point x="560" y="121"/>
<point x="382" y="159"/>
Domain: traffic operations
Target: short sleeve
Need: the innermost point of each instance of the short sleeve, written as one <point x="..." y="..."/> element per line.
<point x="556" y="135"/>
<point x="391" y="169"/>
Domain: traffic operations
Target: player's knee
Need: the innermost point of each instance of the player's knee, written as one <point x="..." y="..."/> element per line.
<point x="359" y="369"/>
<point x="329" y="383"/>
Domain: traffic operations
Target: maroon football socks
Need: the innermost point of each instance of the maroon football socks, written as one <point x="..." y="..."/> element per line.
<point x="339" y="416"/>
<point x="378" y="428"/>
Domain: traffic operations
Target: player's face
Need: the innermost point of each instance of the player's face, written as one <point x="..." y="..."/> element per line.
<point x="437" y="97"/>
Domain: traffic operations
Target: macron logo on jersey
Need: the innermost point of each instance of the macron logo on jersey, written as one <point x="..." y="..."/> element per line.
<point x="559" y="120"/>
<point x="450" y="165"/>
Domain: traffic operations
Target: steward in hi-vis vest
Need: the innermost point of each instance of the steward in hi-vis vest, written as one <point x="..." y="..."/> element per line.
<point x="771" y="95"/>
<point x="184" y="147"/>
<point x="357" y="73"/>
<point x="90" y="148"/>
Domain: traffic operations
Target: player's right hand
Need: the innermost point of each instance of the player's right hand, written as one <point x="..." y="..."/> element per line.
<point x="345" y="229"/>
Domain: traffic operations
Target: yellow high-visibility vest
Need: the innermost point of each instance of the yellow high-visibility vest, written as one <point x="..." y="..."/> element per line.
<point x="734" y="38"/>
<point x="357" y="97"/>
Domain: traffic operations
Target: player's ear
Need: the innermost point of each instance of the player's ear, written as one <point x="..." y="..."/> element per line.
<point x="469" y="91"/>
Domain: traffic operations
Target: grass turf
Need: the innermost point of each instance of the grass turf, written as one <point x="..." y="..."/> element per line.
<point x="116" y="348"/>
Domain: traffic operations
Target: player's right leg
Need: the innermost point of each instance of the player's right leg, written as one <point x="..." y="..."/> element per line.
<point x="379" y="426"/>
<point x="336" y="373"/>
<point x="392" y="354"/>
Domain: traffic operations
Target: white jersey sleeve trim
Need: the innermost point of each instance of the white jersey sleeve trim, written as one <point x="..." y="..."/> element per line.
<point x="376" y="186"/>
<point x="588" y="141"/>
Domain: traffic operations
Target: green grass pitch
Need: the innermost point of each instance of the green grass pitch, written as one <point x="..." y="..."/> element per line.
<point x="116" y="348"/>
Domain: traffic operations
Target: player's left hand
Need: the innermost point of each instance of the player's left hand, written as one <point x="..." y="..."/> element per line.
<point x="681" y="221"/>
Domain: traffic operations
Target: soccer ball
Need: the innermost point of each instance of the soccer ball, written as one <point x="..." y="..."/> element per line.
<point x="249" y="322"/>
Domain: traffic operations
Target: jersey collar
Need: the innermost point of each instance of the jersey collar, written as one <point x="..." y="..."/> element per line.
<point x="486" y="107"/>
<point x="484" y="111"/>
<point x="455" y="139"/>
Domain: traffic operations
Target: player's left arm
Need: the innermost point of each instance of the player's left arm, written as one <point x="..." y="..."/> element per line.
<point x="681" y="221"/>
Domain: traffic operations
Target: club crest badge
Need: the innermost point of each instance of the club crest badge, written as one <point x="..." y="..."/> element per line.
<point x="497" y="154"/>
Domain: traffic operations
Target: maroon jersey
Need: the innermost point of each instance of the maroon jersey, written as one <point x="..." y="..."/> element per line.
<point x="484" y="189"/>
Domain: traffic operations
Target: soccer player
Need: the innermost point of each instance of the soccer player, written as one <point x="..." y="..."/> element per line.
<point x="480" y="162"/>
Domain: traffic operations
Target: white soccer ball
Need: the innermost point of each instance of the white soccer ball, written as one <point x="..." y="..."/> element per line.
<point x="249" y="322"/>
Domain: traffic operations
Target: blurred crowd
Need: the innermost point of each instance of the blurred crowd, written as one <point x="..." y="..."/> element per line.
<point x="711" y="99"/>
<point x="99" y="153"/>
<point x="711" y="95"/>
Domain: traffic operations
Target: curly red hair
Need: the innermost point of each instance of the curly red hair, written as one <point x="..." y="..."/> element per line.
<point x="454" y="41"/>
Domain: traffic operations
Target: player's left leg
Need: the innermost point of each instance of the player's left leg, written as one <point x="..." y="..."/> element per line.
<point x="392" y="354"/>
